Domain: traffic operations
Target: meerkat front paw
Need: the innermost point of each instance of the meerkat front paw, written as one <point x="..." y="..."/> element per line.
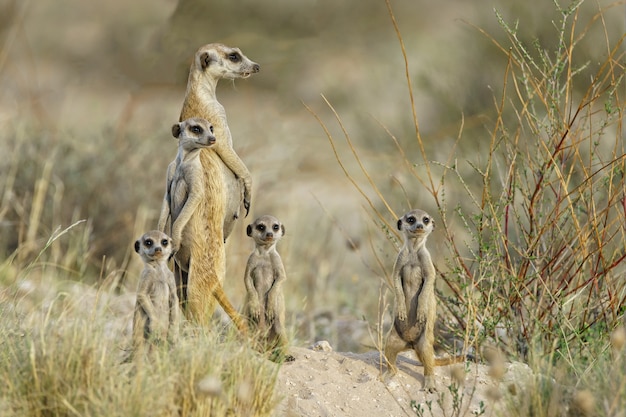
<point x="270" y="314"/>
<point x="247" y="192"/>
<point x="401" y="315"/>
<point x="255" y="310"/>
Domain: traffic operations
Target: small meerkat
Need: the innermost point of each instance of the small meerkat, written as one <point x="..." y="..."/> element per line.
<point x="157" y="315"/>
<point x="264" y="276"/>
<point x="416" y="306"/>
<point x="184" y="186"/>
<point x="184" y="191"/>
<point x="227" y="186"/>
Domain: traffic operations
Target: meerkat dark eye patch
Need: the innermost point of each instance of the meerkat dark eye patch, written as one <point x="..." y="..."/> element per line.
<point x="234" y="57"/>
<point x="260" y="228"/>
<point x="148" y="242"/>
<point x="426" y="220"/>
<point x="211" y="128"/>
<point x="276" y="228"/>
<point x="196" y="129"/>
<point x="411" y="220"/>
<point x="164" y="243"/>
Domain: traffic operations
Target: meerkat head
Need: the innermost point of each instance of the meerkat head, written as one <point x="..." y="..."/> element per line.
<point x="194" y="133"/>
<point x="266" y="230"/>
<point x="416" y="223"/>
<point x="221" y="61"/>
<point x="154" y="246"/>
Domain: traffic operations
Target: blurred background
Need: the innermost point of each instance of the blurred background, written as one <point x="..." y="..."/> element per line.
<point x="89" y="90"/>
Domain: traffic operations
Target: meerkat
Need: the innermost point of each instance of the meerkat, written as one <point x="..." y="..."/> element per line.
<point x="156" y="317"/>
<point x="225" y="186"/>
<point x="416" y="306"/>
<point x="263" y="279"/>
<point x="184" y="191"/>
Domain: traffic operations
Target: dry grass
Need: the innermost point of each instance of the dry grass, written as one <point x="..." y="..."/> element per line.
<point x="63" y="353"/>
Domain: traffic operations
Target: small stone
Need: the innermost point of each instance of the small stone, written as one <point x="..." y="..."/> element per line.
<point x="321" y="346"/>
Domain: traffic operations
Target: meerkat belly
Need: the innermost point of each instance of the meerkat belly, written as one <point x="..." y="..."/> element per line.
<point x="159" y="324"/>
<point x="215" y="185"/>
<point x="262" y="278"/>
<point x="410" y="330"/>
<point x="233" y="199"/>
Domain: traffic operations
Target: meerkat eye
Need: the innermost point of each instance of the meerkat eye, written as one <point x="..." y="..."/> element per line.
<point x="164" y="243"/>
<point x="276" y="227"/>
<point x="260" y="228"/>
<point x="197" y="130"/>
<point x="234" y="57"/>
<point x="410" y="220"/>
<point x="425" y="220"/>
<point x="148" y="242"/>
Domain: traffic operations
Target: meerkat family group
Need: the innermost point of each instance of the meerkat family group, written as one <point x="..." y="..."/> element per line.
<point x="206" y="186"/>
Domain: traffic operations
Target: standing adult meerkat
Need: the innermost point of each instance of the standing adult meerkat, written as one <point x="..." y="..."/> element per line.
<point x="225" y="187"/>
<point x="156" y="317"/>
<point x="416" y="306"/>
<point x="184" y="191"/>
<point x="264" y="276"/>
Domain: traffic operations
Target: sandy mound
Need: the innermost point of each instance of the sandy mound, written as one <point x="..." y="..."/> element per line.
<point x="320" y="383"/>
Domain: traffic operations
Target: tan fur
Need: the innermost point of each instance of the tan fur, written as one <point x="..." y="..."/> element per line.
<point x="416" y="306"/>
<point x="184" y="192"/>
<point x="223" y="183"/>
<point x="264" y="276"/>
<point x="156" y="317"/>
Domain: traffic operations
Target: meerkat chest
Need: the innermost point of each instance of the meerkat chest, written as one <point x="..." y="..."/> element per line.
<point x="160" y="296"/>
<point x="412" y="272"/>
<point x="263" y="274"/>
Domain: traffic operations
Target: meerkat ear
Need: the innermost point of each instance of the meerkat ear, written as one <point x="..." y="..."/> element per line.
<point x="249" y="230"/>
<point x="399" y="224"/>
<point x="432" y="222"/>
<point x="282" y="227"/>
<point x="176" y="130"/>
<point x="205" y="60"/>
<point x="137" y="243"/>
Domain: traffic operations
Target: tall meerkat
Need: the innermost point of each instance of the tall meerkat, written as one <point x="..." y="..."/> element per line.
<point x="223" y="185"/>
<point x="416" y="306"/>
<point x="156" y="317"/>
<point x="264" y="276"/>
<point x="184" y="192"/>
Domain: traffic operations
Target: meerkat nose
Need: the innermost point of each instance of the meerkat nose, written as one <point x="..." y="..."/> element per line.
<point x="157" y="249"/>
<point x="256" y="68"/>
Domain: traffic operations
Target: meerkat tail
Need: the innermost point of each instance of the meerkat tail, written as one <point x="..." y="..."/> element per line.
<point x="220" y="296"/>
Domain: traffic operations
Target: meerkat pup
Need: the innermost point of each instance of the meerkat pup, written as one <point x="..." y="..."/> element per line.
<point x="264" y="276"/>
<point x="414" y="285"/>
<point x="185" y="186"/>
<point x="156" y="317"/>
<point x="184" y="191"/>
<point x="228" y="185"/>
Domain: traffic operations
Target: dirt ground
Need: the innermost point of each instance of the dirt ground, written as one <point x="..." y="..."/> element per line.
<point x="328" y="383"/>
